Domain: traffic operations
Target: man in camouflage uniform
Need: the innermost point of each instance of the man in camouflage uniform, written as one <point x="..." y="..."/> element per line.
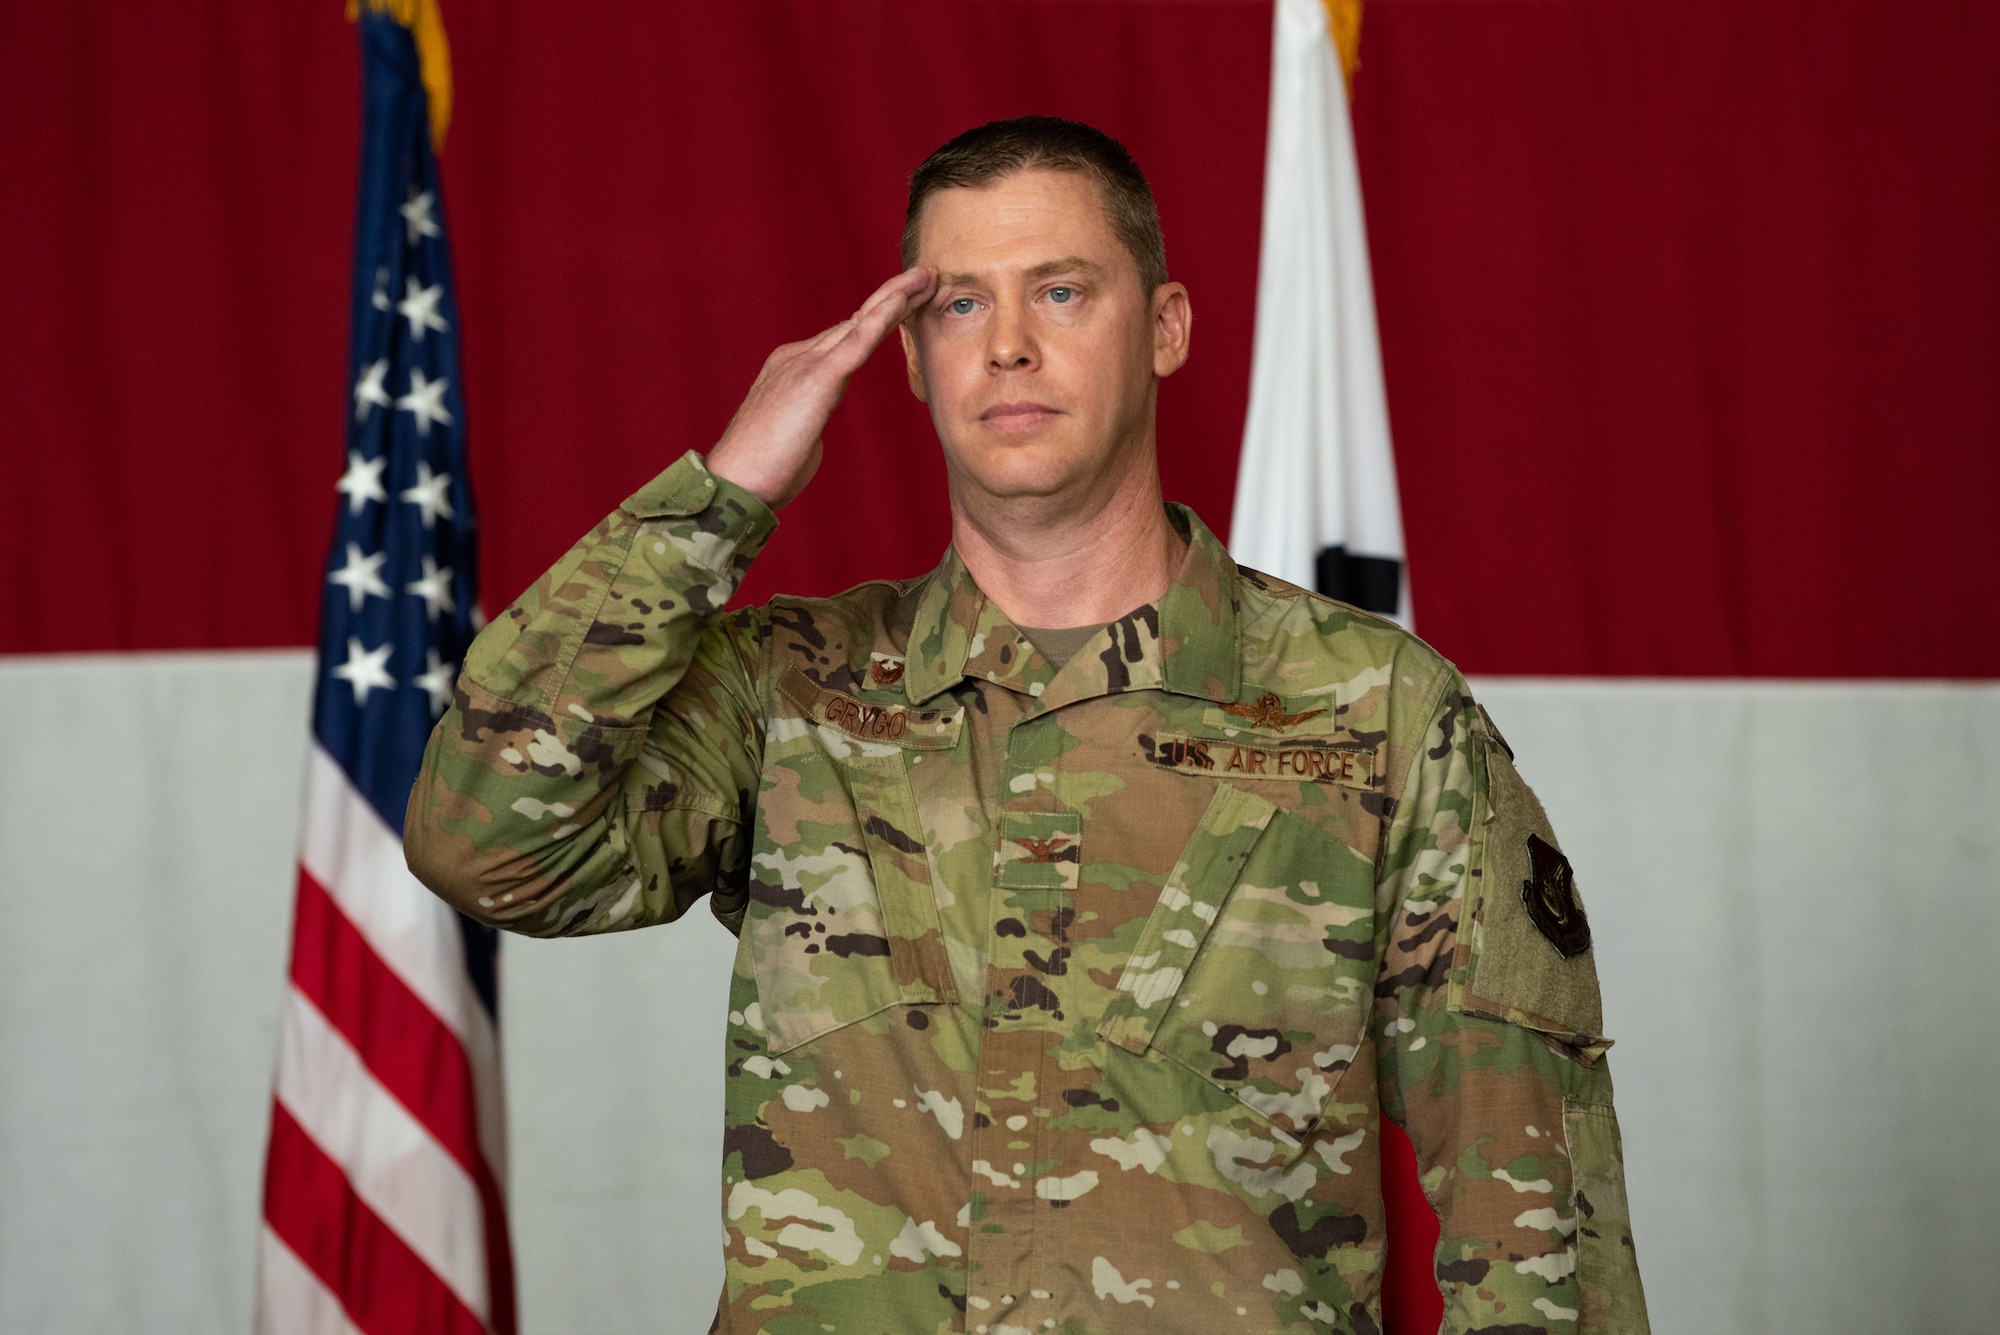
<point x="1075" y="967"/>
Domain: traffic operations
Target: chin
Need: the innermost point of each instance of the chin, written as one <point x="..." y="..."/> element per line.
<point x="1021" y="466"/>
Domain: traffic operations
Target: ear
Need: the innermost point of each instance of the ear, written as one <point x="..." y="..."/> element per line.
<point x="911" y="364"/>
<point x="1173" y="328"/>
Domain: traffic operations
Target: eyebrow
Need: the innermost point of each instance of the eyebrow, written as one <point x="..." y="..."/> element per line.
<point x="1047" y="269"/>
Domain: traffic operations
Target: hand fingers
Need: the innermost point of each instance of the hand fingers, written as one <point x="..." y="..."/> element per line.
<point x="903" y="291"/>
<point x="801" y="382"/>
<point x="889" y="306"/>
<point x="828" y="337"/>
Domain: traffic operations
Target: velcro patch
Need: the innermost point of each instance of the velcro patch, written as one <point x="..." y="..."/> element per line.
<point x="896" y="725"/>
<point x="1528" y="947"/>
<point x="1040" y="850"/>
<point x="1292" y="762"/>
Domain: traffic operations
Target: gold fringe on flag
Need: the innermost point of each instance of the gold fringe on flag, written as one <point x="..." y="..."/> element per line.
<point x="426" y="25"/>
<point x="1343" y="21"/>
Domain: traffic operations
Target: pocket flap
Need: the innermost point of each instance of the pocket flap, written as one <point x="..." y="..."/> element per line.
<point x="892" y="833"/>
<point x="1180" y="922"/>
<point x="844" y="923"/>
<point x="1254" y="970"/>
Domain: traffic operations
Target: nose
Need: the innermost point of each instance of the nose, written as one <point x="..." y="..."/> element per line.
<point x="1010" y="338"/>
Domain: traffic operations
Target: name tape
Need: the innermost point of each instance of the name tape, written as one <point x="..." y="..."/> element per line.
<point x="899" y="725"/>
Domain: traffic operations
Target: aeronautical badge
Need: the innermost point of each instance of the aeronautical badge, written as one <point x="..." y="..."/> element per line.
<point x="1551" y="899"/>
<point x="1268" y="711"/>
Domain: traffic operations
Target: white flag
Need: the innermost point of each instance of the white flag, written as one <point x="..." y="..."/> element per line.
<point x="1316" y="486"/>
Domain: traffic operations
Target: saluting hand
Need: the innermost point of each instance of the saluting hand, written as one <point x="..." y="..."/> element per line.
<point x="772" y="446"/>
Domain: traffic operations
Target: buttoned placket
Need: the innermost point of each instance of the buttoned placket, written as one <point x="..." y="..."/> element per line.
<point x="1006" y="1238"/>
<point x="1017" y="1069"/>
<point x="1008" y="1221"/>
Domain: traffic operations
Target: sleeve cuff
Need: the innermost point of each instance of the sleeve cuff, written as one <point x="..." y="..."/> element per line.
<point x="688" y="488"/>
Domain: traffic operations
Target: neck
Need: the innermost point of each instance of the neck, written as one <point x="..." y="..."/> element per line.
<point x="1081" y="557"/>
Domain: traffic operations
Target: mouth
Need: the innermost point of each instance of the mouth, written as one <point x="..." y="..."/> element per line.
<point x="1016" y="417"/>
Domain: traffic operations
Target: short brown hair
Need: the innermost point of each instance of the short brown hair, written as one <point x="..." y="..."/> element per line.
<point x="998" y="149"/>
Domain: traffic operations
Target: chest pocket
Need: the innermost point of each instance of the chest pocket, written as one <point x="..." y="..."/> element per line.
<point x="843" y="921"/>
<point x="1255" y="969"/>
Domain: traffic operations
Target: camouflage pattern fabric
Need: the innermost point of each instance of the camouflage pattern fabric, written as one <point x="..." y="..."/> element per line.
<point x="1064" y="1000"/>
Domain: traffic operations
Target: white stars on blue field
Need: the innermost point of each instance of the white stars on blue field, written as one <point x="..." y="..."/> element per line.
<point x="361" y="576"/>
<point x="434" y="587"/>
<point x="417" y="217"/>
<point x="420" y="307"/>
<point x="425" y="402"/>
<point x="362" y="482"/>
<point x="369" y="391"/>
<point x="435" y="680"/>
<point x="366" y="669"/>
<point x="431" y="495"/>
<point x="399" y="607"/>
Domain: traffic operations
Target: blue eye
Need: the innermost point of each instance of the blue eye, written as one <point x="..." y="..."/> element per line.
<point x="963" y="306"/>
<point x="1061" y="296"/>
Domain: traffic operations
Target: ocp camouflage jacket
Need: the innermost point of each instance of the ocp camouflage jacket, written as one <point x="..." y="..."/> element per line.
<point x="1063" y="1000"/>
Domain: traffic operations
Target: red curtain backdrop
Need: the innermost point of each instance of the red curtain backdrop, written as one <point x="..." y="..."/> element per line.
<point x="1691" y="311"/>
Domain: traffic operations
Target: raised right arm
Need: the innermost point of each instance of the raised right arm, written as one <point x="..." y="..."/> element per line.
<point x="598" y="765"/>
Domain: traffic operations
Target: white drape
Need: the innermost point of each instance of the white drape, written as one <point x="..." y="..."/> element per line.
<point x="1793" y="888"/>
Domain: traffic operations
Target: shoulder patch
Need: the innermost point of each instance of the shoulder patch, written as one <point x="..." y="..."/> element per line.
<point x="1550" y="894"/>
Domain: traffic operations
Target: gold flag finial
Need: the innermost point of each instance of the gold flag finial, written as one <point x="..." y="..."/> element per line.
<point x="1343" y="22"/>
<point x="426" y="25"/>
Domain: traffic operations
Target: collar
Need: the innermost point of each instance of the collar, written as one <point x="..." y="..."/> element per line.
<point x="1184" y="641"/>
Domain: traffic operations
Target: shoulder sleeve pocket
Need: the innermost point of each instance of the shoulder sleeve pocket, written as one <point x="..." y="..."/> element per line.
<point x="1607" y="1266"/>
<point x="1525" y="955"/>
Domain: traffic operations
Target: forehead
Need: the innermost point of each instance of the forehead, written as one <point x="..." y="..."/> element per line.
<point x="1021" y="219"/>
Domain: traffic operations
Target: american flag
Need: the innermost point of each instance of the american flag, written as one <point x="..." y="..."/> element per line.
<point x="384" y="1209"/>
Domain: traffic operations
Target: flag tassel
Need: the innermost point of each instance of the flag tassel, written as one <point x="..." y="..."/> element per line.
<point x="426" y="24"/>
<point x="1343" y="24"/>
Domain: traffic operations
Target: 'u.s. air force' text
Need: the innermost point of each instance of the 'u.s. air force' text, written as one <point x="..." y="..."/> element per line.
<point x="1302" y="762"/>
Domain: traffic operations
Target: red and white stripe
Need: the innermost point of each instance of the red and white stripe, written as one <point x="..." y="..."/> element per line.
<point x="384" y="1209"/>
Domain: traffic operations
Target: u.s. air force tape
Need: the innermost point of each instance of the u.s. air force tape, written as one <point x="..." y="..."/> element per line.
<point x="1294" y="762"/>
